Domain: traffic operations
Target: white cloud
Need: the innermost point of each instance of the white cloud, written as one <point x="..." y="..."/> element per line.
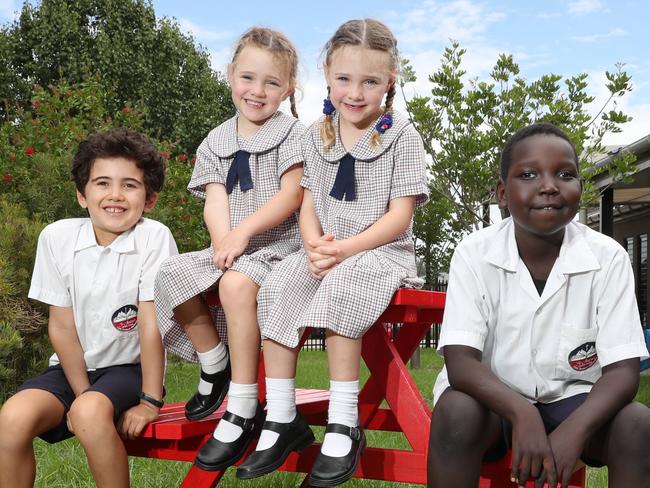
<point x="615" y="32"/>
<point x="202" y="33"/>
<point x="584" y="7"/>
<point x="435" y="22"/>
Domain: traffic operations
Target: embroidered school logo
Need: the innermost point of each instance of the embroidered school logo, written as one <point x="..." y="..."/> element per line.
<point x="125" y="318"/>
<point x="583" y="357"/>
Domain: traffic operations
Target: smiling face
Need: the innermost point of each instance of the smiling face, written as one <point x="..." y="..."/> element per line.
<point x="115" y="197"/>
<point x="542" y="190"/>
<point x="358" y="79"/>
<point x="259" y="83"/>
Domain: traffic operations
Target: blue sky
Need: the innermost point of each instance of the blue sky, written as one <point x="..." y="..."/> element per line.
<point x="565" y="37"/>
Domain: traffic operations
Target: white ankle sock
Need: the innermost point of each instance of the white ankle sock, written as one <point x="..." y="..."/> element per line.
<point x="343" y="409"/>
<point x="281" y="407"/>
<point x="242" y="401"/>
<point x="212" y="361"/>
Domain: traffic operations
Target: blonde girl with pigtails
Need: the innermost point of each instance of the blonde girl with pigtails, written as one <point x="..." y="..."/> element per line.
<point x="364" y="174"/>
<point x="248" y="170"/>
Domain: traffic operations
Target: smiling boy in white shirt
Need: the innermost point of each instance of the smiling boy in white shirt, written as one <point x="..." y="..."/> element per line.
<point x="541" y="336"/>
<point x="105" y="379"/>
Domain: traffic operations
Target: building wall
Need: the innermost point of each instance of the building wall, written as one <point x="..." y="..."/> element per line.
<point x="633" y="234"/>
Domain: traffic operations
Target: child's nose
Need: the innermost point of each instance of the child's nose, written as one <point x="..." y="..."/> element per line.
<point x="355" y="92"/>
<point x="548" y="184"/>
<point x="258" y="90"/>
<point x="116" y="192"/>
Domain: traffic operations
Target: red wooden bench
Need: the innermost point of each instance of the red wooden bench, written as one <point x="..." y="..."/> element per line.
<point x="175" y="438"/>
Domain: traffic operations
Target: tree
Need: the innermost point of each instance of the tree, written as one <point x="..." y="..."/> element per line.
<point x="140" y="61"/>
<point x="464" y="125"/>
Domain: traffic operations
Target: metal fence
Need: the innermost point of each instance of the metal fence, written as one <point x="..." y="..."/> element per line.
<point x="316" y="340"/>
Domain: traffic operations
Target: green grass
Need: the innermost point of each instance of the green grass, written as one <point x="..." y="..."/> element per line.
<point x="64" y="464"/>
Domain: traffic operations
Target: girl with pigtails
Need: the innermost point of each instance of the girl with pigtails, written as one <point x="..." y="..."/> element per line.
<point x="248" y="170"/>
<point x="364" y="174"/>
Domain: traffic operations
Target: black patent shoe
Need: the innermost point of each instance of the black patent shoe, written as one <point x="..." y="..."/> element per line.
<point x="200" y="406"/>
<point x="216" y="455"/>
<point x="294" y="436"/>
<point x="332" y="471"/>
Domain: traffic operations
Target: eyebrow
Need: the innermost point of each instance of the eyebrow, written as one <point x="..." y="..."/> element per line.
<point x="128" y="179"/>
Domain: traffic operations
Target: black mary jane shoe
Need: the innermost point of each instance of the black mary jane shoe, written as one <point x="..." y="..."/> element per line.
<point x="294" y="436"/>
<point x="332" y="471"/>
<point x="216" y="455"/>
<point x="200" y="406"/>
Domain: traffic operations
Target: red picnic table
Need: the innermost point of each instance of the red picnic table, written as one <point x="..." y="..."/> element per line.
<point x="173" y="437"/>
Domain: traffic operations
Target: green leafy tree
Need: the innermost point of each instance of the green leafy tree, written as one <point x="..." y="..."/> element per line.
<point x="465" y="123"/>
<point x="140" y="61"/>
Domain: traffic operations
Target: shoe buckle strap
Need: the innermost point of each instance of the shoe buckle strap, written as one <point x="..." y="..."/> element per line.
<point x="353" y="433"/>
<point x="246" y="425"/>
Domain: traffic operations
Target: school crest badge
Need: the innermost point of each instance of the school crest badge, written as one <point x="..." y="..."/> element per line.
<point x="126" y="318"/>
<point x="583" y="357"/>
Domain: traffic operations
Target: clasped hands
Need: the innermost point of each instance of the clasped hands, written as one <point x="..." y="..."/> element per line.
<point x="324" y="253"/>
<point x="230" y="247"/>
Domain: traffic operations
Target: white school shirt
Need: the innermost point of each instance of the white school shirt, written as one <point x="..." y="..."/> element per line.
<point x="546" y="347"/>
<point x="103" y="285"/>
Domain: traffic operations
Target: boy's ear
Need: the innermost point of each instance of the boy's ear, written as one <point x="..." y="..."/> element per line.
<point x="501" y="194"/>
<point x="81" y="199"/>
<point x="150" y="202"/>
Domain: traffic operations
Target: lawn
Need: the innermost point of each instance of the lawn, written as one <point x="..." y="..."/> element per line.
<point x="64" y="465"/>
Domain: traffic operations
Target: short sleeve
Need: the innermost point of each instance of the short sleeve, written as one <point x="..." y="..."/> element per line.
<point x="466" y="315"/>
<point x="409" y="168"/>
<point x="48" y="285"/>
<point x="620" y="335"/>
<point x="290" y="150"/>
<point x="160" y="246"/>
<point x="304" y="181"/>
<point x="206" y="170"/>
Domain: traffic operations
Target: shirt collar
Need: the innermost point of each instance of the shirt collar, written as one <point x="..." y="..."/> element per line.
<point x="224" y="141"/>
<point x="124" y="243"/>
<point x="575" y="254"/>
<point x="363" y="150"/>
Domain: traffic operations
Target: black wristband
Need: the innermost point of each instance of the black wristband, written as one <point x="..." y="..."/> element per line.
<point x="152" y="400"/>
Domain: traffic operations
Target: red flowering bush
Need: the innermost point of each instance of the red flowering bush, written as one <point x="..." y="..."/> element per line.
<point x="8" y="178"/>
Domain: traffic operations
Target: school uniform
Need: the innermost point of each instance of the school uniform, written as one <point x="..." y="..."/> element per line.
<point x="270" y="152"/>
<point x="356" y="292"/>
<point x="103" y="285"/>
<point x="550" y="347"/>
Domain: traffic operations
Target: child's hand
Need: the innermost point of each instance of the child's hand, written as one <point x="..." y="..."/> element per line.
<point x="327" y="248"/>
<point x="135" y="419"/>
<point x="230" y="248"/>
<point x="566" y="444"/>
<point x="531" y="451"/>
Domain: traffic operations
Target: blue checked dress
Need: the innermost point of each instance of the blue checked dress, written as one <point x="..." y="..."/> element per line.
<point x="273" y="149"/>
<point x="356" y="292"/>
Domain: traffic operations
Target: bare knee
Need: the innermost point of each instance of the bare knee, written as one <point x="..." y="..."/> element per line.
<point x="26" y="415"/>
<point x="237" y="290"/>
<point x="629" y="434"/>
<point x="459" y="423"/>
<point x="90" y="414"/>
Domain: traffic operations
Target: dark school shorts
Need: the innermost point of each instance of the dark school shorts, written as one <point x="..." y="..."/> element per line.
<point x="121" y="384"/>
<point x="553" y="414"/>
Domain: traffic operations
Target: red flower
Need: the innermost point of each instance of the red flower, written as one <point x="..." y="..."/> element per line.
<point x="36" y="104"/>
<point x="8" y="178"/>
<point x="164" y="154"/>
<point x="182" y="157"/>
<point x="29" y="150"/>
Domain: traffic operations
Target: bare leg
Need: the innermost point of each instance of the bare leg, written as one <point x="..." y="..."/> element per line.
<point x="622" y="444"/>
<point x="91" y="416"/>
<point x="461" y="431"/>
<point x="194" y="316"/>
<point x="24" y="416"/>
<point x="238" y="295"/>
<point x="343" y="356"/>
<point x="279" y="360"/>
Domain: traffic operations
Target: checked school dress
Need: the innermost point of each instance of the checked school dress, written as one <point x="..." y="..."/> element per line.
<point x="272" y="150"/>
<point x="356" y="292"/>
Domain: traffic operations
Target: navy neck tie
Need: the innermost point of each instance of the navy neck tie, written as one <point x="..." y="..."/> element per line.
<point x="344" y="187"/>
<point x="239" y="170"/>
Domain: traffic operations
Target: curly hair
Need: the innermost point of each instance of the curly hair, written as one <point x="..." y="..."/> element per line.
<point x="120" y="142"/>
<point x="529" y="131"/>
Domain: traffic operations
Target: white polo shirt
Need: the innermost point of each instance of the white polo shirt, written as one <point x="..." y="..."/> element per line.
<point x="544" y="347"/>
<point x="103" y="285"/>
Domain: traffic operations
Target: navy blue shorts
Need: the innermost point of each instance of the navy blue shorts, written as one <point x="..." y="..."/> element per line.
<point x="121" y="384"/>
<point x="553" y="414"/>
